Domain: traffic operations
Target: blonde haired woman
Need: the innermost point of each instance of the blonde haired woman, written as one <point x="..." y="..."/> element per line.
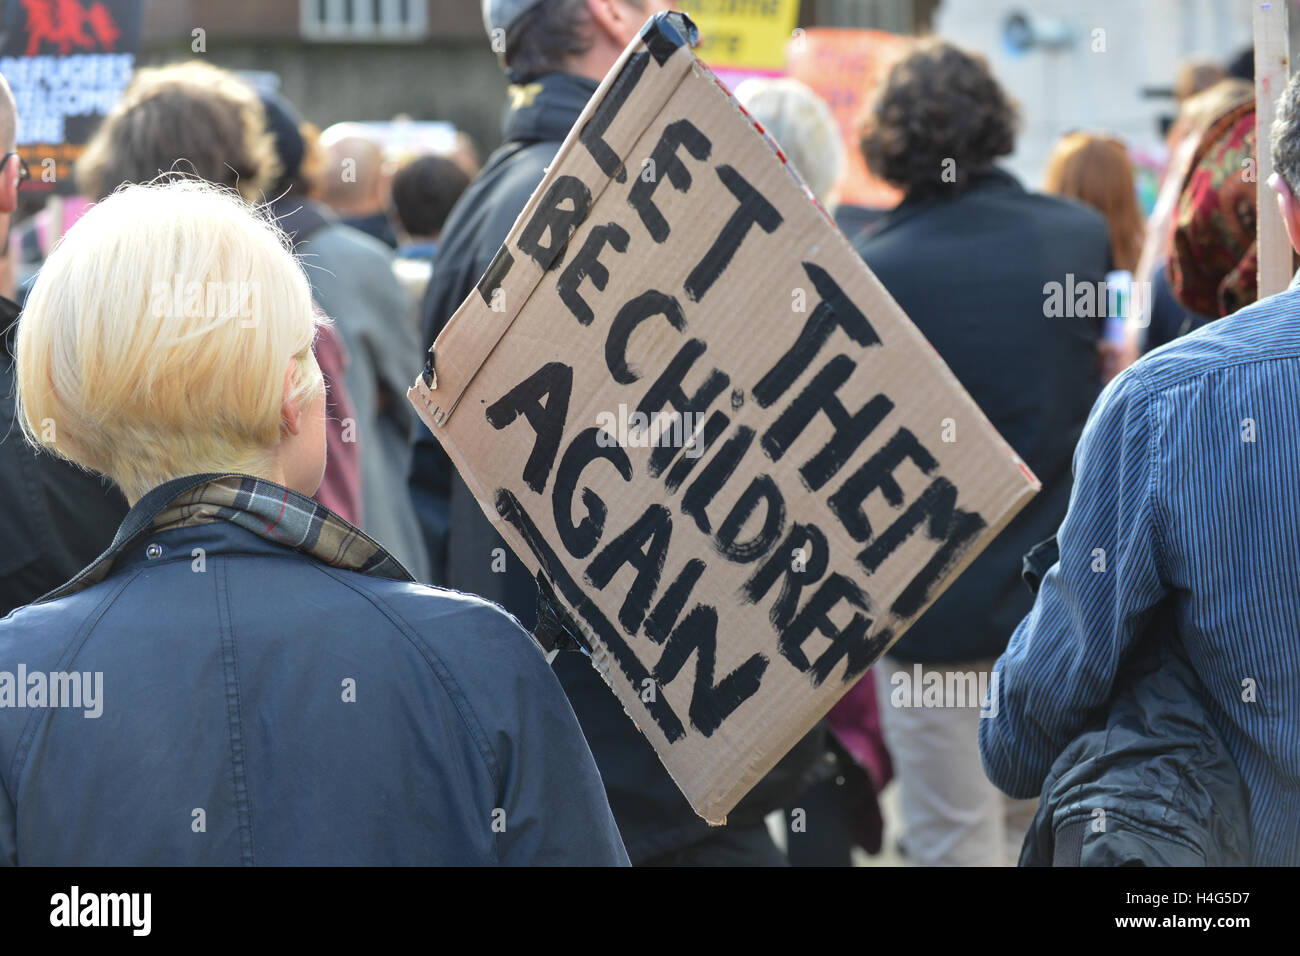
<point x="244" y="677"/>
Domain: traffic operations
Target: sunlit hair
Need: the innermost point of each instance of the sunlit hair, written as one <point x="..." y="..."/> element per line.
<point x="156" y="340"/>
<point x="1097" y="170"/>
<point x="802" y="125"/>
<point x="191" y="118"/>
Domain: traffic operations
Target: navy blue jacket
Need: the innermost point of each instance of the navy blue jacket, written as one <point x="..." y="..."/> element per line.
<point x="973" y="273"/>
<point x="226" y="736"/>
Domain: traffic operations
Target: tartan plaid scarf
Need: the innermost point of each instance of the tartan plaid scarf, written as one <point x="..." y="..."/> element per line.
<point x="268" y="510"/>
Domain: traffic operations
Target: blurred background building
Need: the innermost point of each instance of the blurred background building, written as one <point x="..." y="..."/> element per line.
<point x="1101" y="64"/>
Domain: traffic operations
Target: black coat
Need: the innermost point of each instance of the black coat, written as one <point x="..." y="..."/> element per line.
<point x="973" y="274"/>
<point x="651" y="812"/>
<point x="56" y="518"/>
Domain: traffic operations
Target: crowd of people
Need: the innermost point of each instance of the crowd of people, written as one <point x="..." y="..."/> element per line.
<point x="314" y="646"/>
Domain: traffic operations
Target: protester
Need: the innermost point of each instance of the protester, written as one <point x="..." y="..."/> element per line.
<point x="58" y="518"/>
<point x="355" y="181"/>
<point x="802" y="124"/>
<point x="1163" y="317"/>
<point x="1097" y="170"/>
<point x="1210" y="263"/>
<point x="970" y="256"/>
<point x="1196" y="75"/>
<point x="1213" y="253"/>
<point x="192" y="119"/>
<point x="352" y="280"/>
<point x="556" y="52"/>
<point x="1186" y="484"/>
<point x="423" y="194"/>
<point x="333" y="710"/>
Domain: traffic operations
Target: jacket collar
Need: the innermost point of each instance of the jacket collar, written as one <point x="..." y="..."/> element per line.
<point x="994" y="179"/>
<point x="545" y="109"/>
<point x="270" y="511"/>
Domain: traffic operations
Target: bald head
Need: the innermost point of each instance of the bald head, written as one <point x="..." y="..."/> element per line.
<point x="354" y="181"/>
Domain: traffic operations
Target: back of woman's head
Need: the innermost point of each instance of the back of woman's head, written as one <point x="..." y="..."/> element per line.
<point x="1097" y="170"/>
<point x="939" y="119"/>
<point x="801" y="124"/>
<point x="157" y="338"/>
<point x="188" y="119"/>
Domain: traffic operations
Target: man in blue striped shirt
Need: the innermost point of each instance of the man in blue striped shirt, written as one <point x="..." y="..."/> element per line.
<point x="1187" y="489"/>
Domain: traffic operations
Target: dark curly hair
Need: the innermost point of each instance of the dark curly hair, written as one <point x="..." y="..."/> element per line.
<point x="939" y="118"/>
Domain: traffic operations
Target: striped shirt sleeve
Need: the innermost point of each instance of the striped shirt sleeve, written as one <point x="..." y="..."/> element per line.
<point x="1062" y="661"/>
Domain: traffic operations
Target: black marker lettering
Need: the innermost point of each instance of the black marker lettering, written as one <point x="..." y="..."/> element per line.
<point x="669" y="608"/>
<point x="593" y="131"/>
<point x="587" y="265"/>
<point x="947" y="523"/>
<point x="846" y="643"/>
<point x="633" y="313"/>
<point x="834" y="310"/>
<point x="551" y="218"/>
<point x="666" y="164"/>
<point x="555" y="381"/>
<point x="582" y="538"/>
<point x="850" y="430"/>
<point x="715" y="475"/>
<point x="878" y="473"/>
<point x="667" y="390"/>
<point x="806" y="540"/>
<point x="761" y="489"/>
<point x="644" y="546"/>
<point x="753" y="210"/>
<point x="711" y="703"/>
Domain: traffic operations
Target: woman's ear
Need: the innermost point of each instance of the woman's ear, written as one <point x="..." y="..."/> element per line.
<point x="290" y="413"/>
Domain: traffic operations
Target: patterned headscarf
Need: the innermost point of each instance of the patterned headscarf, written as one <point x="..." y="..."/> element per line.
<point x="1213" y="255"/>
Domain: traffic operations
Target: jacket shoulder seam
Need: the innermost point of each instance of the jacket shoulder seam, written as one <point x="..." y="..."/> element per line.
<point x="439" y="669"/>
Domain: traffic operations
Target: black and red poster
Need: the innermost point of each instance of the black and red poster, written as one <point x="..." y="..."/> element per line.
<point x="67" y="62"/>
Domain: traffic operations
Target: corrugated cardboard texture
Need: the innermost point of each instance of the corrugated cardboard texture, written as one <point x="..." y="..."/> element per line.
<point x="730" y="596"/>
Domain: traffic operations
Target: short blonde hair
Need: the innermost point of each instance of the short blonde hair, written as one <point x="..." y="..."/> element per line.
<point x="157" y="337"/>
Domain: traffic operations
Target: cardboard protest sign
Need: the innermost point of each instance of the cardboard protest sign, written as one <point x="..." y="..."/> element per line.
<point x="844" y="67"/>
<point x="68" y="62"/>
<point x="684" y="401"/>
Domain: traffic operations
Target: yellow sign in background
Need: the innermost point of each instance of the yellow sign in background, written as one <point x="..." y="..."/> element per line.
<point x="743" y="33"/>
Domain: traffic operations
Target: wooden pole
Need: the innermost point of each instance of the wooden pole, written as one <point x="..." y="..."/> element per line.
<point x="1271" y="71"/>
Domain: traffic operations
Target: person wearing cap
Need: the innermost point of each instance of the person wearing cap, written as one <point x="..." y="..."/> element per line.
<point x="245" y="678"/>
<point x="555" y="53"/>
